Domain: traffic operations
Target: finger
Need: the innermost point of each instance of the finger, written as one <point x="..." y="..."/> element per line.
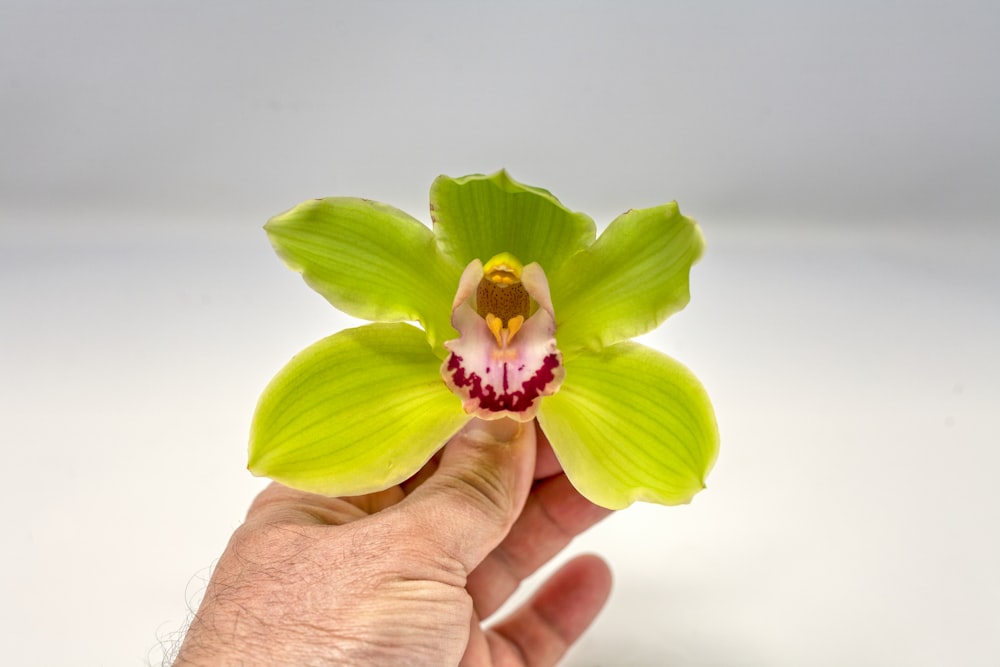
<point x="422" y="475"/>
<point x="281" y="504"/>
<point x="477" y="650"/>
<point x="541" y="631"/>
<point x="546" y="463"/>
<point x="467" y="507"/>
<point x="553" y="515"/>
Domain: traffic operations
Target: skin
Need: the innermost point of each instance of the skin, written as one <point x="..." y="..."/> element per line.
<point x="407" y="576"/>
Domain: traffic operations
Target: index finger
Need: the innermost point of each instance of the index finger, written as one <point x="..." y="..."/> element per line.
<point x="546" y="463"/>
<point x="553" y="515"/>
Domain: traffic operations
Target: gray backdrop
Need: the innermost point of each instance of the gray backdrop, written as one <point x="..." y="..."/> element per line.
<point x="841" y="157"/>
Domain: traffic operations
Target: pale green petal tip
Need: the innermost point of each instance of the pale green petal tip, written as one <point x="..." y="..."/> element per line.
<point x="370" y="260"/>
<point x="645" y="225"/>
<point x="356" y="412"/>
<point x="629" y="281"/>
<point x="501" y="180"/>
<point x="479" y="216"/>
<point x="631" y="424"/>
<point x="698" y="235"/>
<point x="672" y="210"/>
<point x="604" y="491"/>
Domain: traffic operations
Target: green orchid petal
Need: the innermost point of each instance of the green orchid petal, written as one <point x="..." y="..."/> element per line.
<point x="354" y="413"/>
<point x="369" y="260"/>
<point x="478" y="217"/>
<point x="631" y="424"/>
<point x="630" y="280"/>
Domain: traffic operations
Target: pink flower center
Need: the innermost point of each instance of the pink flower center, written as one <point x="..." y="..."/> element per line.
<point x="505" y="358"/>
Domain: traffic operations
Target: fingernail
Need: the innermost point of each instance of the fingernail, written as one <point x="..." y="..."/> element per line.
<point x="492" y="431"/>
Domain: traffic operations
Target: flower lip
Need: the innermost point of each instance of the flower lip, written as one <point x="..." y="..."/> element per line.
<point x="486" y="402"/>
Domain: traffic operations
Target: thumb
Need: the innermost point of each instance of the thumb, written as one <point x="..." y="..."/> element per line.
<point x="468" y="505"/>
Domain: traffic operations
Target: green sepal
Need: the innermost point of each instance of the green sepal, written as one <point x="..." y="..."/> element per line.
<point x="630" y="280"/>
<point x="478" y="216"/>
<point x="631" y="424"/>
<point x="354" y="413"/>
<point x="371" y="261"/>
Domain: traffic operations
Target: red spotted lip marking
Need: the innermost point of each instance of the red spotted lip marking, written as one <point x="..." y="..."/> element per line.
<point x="486" y="394"/>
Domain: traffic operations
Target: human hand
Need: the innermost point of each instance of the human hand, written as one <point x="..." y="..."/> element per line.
<point x="406" y="576"/>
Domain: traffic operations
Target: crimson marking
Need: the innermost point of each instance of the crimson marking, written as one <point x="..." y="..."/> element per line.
<point x="486" y="394"/>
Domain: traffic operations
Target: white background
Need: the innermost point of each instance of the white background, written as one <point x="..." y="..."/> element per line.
<point x="842" y="158"/>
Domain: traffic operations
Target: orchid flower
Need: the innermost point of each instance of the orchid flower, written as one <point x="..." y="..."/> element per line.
<point x="522" y="314"/>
